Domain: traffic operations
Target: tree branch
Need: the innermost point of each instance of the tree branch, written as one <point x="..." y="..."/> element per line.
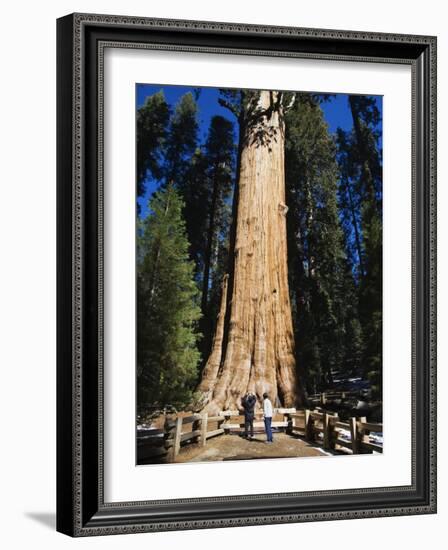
<point x="291" y="103"/>
<point x="232" y="108"/>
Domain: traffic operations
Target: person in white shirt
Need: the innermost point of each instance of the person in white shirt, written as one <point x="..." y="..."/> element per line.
<point x="267" y="412"/>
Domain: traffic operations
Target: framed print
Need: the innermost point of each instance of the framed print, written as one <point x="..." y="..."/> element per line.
<point x="246" y="274"/>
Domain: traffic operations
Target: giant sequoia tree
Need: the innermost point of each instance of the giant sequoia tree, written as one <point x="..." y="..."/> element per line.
<point x="253" y="347"/>
<point x="290" y="295"/>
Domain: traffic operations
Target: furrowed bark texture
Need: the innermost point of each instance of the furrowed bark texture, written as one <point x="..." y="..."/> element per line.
<point x="211" y="368"/>
<point x="257" y="351"/>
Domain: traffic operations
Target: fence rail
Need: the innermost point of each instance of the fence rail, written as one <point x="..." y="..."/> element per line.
<point x="319" y="427"/>
<point x="334" y="433"/>
<point x="334" y="395"/>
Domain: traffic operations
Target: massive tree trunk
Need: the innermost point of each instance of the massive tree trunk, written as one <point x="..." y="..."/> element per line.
<point x="211" y="368"/>
<point x="256" y="345"/>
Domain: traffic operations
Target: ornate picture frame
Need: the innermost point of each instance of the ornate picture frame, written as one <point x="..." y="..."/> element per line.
<point x="81" y="506"/>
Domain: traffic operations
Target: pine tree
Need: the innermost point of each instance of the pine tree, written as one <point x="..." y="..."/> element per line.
<point x="219" y="153"/>
<point x="353" y="342"/>
<point x="195" y="195"/>
<point x="167" y="306"/>
<point x="185" y="167"/>
<point x="367" y="159"/>
<point x="182" y="141"/>
<point x="350" y="202"/>
<point x="152" y="121"/>
<point x="316" y="253"/>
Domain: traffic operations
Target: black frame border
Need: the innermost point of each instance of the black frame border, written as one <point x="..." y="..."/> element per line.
<point x="81" y="39"/>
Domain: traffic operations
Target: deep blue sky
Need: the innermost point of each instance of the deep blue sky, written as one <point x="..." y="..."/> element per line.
<point x="336" y="111"/>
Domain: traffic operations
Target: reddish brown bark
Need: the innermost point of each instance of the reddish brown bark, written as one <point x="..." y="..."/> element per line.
<point x="210" y="372"/>
<point x="259" y="340"/>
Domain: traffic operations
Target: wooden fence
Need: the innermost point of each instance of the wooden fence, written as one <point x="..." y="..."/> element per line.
<point x="190" y="429"/>
<point x="165" y="444"/>
<point x="234" y="421"/>
<point x="333" y="395"/>
<point x="318" y="427"/>
<point x="352" y="435"/>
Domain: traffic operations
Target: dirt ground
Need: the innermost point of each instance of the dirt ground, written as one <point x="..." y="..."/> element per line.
<point x="234" y="447"/>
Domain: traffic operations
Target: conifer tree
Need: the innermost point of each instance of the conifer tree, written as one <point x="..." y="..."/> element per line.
<point x="367" y="159"/>
<point x="350" y="203"/>
<point x="253" y="346"/>
<point x="167" y="306"/>
<point x="182" y="141"/>
<point x="219" y="153"/>
<point x="316" y="253"/>
<point x="195" y="195"/>
<point x="185" y="167"/>
<point x="152" y="121"/>
<point x="204" y="178"/>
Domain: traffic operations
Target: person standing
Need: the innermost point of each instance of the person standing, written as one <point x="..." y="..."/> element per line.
<point x="249" y="402"/>
<point x="267" y="412"/>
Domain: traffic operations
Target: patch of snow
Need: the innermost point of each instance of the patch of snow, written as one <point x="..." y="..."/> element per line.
<point x="344" y="434"/>
<point x="376" y="437"/>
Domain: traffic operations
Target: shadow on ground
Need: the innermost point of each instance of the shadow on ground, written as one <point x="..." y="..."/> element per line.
<point x="48" y="519"/>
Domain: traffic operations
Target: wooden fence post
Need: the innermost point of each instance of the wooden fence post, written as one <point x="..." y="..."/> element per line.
<point x="226" y="420"/>
<point x="177" y="436"/>
<point x="361" y="435"/>
<point x="309" y="425"/>
<point x="334" y="433"/>
<point x="170" y="429"/>
<point x="204" y="421"/>
<point x="329" y="439"/>
<point x="354" y="435"/>
<point x="195" y="425"/>
<point x="289" y="428"/>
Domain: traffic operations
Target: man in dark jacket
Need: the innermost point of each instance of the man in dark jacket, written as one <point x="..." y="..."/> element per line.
<point x="249" y="402"/>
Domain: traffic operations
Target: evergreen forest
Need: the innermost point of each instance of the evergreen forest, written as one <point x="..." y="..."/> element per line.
<point x="190" y="143"/>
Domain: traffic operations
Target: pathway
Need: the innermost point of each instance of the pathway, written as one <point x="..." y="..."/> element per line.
<point x="234" y="447"/>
